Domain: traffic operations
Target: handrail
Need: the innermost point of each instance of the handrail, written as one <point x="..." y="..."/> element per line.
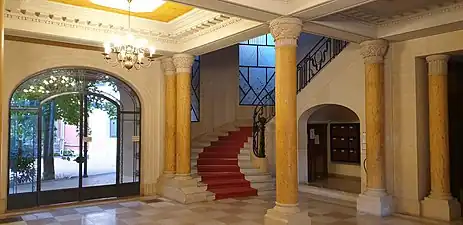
<point x="325" y="50"/>
<point x="263" y="113"/>
<point x="321" y="54"/>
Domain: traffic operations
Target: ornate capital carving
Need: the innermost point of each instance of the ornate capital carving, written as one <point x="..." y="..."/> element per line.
<point x="183" y="62"/>
<point x="168" y="66"/>
<point x="286" y="30"/>
<point x="438" y="65"/>
<point x="374" y="51"/>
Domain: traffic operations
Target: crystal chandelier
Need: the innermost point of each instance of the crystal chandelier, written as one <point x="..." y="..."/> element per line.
<point x="129" y="52"/>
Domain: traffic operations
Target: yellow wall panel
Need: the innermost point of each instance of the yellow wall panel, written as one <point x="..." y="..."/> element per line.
<point x="165" y="13"/>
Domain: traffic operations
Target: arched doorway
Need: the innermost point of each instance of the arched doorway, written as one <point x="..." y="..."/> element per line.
<point x="333" y="144"/>
<point x="74" y="135"/>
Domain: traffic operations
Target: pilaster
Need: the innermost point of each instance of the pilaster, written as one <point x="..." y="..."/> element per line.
<point x="3" y="146"/>
<point x="170" y="84"/>
<point x="439" y="204"/>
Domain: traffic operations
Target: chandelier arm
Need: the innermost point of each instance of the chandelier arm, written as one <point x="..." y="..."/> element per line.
<point x="146" y="65"/>
<point x="111" y="61"/>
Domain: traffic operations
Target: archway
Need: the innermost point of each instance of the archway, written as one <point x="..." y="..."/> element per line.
<point x="74" y="135"/>
<point x="333" y="144"/>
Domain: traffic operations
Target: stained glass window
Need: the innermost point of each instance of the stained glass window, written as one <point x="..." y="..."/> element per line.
<point x="257" y="71"/>
<point x="195" y="83"/>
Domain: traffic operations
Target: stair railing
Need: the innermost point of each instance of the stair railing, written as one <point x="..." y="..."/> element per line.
<point x="325" y="50"/>
<point x="263" y="113"/>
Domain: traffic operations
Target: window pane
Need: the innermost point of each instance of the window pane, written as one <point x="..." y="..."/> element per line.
<point x="248" y="55"/>
<point x="257" y="79"/>
<point x="195" y="89"/>
<point x="112" y="128"/>
<point x="267" y="56"/>
<point x="270" y="40"/>
<point x="261" y="40"/>
<point x="244" y="84"/>
<point x="257" y="68"/>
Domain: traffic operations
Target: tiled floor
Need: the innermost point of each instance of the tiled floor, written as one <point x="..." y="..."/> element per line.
<point x="246" y="211"/>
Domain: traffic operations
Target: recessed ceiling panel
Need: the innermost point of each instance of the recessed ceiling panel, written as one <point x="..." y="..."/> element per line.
<point x="167" y="12"/>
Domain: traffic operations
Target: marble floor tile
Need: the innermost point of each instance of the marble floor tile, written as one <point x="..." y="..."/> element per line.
<point x="240" y="211"/>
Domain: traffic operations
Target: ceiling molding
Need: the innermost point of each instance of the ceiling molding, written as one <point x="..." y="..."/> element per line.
<point x="227" y="22"/>
<point x="209" y="24"/>
<point x="65" y="22"/>
<point x="457" y="7"/>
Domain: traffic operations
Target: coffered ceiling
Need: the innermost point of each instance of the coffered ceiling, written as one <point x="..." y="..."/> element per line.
<point x="352" y="20"/>
<point x="382" y="11"/>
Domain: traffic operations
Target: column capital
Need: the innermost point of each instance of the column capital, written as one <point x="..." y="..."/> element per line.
<point x="373" y="51"/>
<point x="437" y="64"/>
<point x="168" y="66"/>
<point x="286" y="30"/>
<point x="183" y="62"/>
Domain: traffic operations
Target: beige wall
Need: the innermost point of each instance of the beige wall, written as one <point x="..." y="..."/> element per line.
<point x="22" y="60"/>
<point x="331" y="86"/>
<point x="219" y="93"/>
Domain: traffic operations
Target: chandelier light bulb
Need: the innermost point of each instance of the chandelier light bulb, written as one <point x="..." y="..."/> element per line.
<point x="152" y="50"/>
<point x="107" y="47"/>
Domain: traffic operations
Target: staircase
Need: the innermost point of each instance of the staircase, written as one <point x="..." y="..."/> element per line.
<point x="222" y="162"/>
<point x="321" y="54"/>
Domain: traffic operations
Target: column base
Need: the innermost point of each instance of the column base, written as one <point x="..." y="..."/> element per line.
<point x="184" y="189"/>
<point x="162" y="180"/>
<point x="286" y="215"/>
<point x="375" y="202"/>
<point x="148" y="189"/>
<point x="441" y="209"/>
<point x="2" y="206"/>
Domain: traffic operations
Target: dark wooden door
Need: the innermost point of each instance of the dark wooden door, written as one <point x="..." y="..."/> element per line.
<point x="317" y="151"/>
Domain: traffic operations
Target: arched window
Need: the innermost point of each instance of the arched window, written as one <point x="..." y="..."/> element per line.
<point x="74" y="135"/>
<point x="257" y="71"/>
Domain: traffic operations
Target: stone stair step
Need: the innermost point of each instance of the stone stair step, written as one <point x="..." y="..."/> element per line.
<point x="200" y="144"/>
<point x="247" y="171"/>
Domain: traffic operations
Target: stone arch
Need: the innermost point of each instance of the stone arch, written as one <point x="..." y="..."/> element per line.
<point x="116" y="76"/>
<point x="323" y="113"/>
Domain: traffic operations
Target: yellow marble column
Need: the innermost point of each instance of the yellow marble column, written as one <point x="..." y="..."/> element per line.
<point x="374" y="200"/>
<point x="170" y="87"/>
<point x="285" y="32"/>
<point x="183" y="64"/>
<point x="439" y="204"/>
<point x="3" y="146"/>
<point x="373" y="53"/>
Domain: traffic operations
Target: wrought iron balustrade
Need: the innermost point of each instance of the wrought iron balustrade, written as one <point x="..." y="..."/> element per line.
<point x="325" y="50"/>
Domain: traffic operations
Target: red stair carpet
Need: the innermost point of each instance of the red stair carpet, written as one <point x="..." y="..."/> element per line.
<point x="218" y="166"/>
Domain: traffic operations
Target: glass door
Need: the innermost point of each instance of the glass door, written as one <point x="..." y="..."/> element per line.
<point x="74" y="136"/>
<point x="59" y="167"/>
<point x="100" y="147"/>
